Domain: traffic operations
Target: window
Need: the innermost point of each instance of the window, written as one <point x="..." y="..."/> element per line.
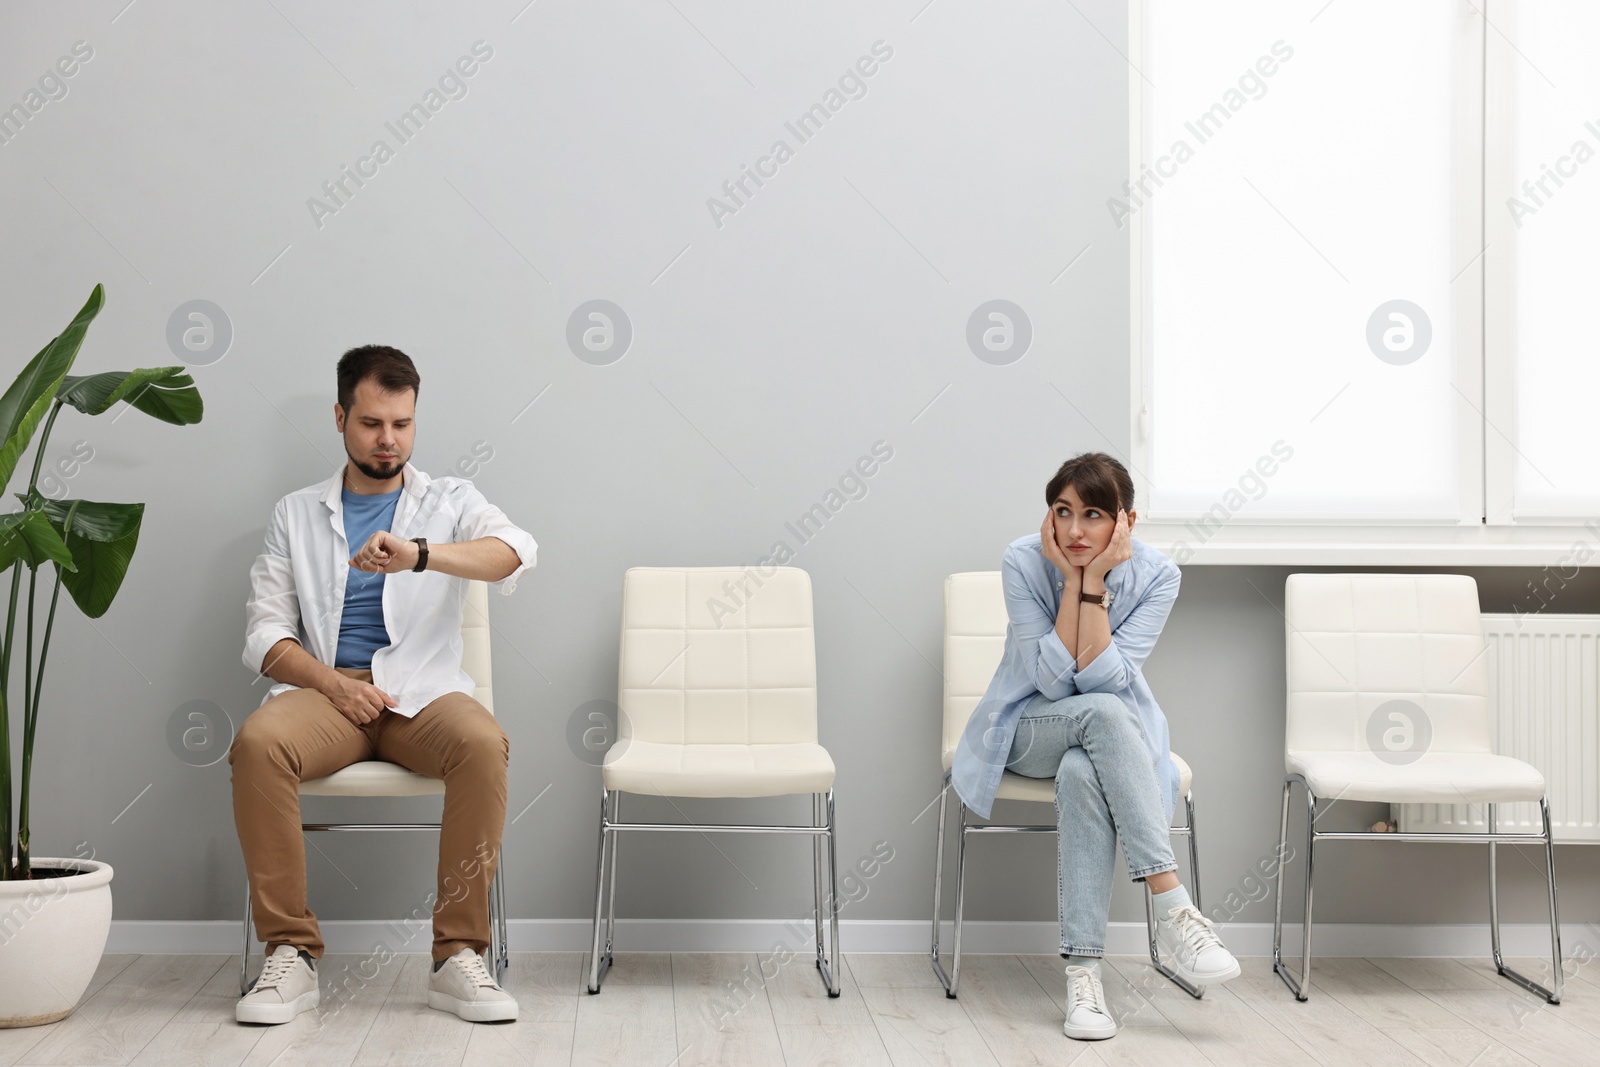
<point x="1544" y="213"/>
<point x="1335" y="341"/>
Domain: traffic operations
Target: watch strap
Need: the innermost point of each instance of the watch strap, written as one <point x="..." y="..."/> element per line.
<point x="422" y="554"/>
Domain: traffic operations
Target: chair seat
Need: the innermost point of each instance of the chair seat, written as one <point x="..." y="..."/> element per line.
<point x="373" y="778"/>
<point x="1043" y="790"/>
<point x="1432" y="778"/>
<point x="717" y="770"/>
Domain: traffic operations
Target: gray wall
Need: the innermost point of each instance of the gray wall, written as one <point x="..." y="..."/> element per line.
<point x="768" y="353"/>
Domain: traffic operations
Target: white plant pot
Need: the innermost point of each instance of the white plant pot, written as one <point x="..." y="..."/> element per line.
<point x="52" y="933"/>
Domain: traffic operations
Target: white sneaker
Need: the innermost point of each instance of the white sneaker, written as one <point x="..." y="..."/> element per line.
<point x="286" y="988"/>
<point x="465" y="986"/>
<point x="1190" y="943"/>
<point x="1088" y="1018"/>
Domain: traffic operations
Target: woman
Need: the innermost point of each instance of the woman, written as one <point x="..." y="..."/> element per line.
<point x="1086" y="603"/>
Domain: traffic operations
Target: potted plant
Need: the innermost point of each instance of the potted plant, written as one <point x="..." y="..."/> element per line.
<point x="55" y="913"/>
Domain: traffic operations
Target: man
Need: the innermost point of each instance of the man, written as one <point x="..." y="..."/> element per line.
<point x="355" y="610"/>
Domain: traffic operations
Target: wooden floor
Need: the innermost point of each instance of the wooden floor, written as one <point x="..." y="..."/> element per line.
<point x="658" y="1010"/>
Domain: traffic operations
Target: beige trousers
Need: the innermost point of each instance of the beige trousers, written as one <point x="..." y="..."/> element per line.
<point x="299" y="735"/>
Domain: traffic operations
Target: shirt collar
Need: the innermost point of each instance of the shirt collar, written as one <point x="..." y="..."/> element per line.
<point x="413" y="481"/>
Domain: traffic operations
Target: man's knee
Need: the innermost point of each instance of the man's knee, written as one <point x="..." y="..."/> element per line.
<point x="482" y="737"/>
<point x="256" y="738"/>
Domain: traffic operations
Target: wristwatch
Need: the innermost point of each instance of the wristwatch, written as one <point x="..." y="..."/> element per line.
<point x="422" y="554"/>
<point x="1103" y="599"/>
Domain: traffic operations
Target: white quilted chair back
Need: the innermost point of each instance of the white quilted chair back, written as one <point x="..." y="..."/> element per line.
<point x="975" y="624"/>
<point x="717" y="655"/>
<point x="475" y="641"/>
<point x="1356" y="641"/>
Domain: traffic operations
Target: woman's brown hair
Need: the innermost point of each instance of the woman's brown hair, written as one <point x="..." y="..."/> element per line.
<point x="1102" y="482"/>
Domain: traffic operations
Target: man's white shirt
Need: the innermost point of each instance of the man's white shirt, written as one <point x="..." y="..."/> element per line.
<point x="297" y="584"/>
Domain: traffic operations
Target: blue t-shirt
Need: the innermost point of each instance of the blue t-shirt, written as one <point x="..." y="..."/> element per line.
<point x="361" y="628"/>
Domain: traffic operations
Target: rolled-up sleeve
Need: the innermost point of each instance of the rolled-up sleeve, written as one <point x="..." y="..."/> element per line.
<point x="273" y="610"/>
<point x="1033" y="630"/>
<point x="1115" y="668"/>
<point x="479" y="518"/>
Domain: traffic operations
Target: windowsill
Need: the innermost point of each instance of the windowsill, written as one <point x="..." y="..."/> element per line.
<point x="1237" y="543"/>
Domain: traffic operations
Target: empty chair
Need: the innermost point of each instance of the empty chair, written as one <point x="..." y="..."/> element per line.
<point x="1388" y="700"/>
<point x="717" y="697"/>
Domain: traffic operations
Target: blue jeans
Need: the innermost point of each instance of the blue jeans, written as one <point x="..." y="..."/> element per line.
<point x="1093" y="746"/>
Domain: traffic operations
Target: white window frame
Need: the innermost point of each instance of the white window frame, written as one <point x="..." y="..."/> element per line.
<point x="1484" y="533"/>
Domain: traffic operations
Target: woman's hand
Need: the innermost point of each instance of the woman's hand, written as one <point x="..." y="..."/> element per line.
<point x="1072" y="573"/>
<point x="1052" y="548"/>
<point x="1118" y="550"/>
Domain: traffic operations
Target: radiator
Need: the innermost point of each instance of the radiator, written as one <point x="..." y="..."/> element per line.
<point x="1544" y="708"/>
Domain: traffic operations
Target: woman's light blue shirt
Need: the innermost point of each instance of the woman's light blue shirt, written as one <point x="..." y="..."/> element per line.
<point x="1035" y="661"/>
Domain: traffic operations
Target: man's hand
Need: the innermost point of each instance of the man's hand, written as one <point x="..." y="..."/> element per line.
<point x="384" y="553"/>
<point x="358" y="701"/>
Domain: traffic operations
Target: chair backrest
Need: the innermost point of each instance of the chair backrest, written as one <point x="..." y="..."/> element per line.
<point x="975" y="624"/>
<point x="475" y="641"/>
<point x="1355" y="642"/>
<point x="717" y="655"/>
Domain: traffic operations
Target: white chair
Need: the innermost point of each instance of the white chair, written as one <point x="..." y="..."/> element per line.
<point x="380" y="778"/>
<point x="975" y="624"/>
<point x="716" y="697"/>
<point x="1388" y="700"/>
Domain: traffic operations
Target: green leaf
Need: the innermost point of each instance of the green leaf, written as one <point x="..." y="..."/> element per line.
<point x="102" y="540"/>
<point x="30" y="396"/>
<point x="30" y="537"/>
<point x="165" y="393"/>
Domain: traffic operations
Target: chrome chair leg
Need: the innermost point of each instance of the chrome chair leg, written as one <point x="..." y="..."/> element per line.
<point x="611" y="875"/>
<point x="1196" y="991"/>
<point x="938" y="887"/>
<point x="1194" y="852"/>
<point x="598" y="965"/>
<point x="961" y="899"/>
<point x="244" y="954"/>
<point x="833" y="877"/>
<point x="1553" y="994"/>
<point x="816" y="879"/>
<point x="498" y="952"/>
<point x="1550" y="884"/>
<point x="1301" y="988"/>
<point x="505" y="928"/>
<point x="1494" y="893"/>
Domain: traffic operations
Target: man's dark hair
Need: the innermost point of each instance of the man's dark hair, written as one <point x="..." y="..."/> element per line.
<point x="391" y="368"/>
<point x="1101" y="481"/>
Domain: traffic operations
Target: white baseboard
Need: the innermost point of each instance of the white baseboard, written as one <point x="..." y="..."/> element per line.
<point x="868" y="935"/>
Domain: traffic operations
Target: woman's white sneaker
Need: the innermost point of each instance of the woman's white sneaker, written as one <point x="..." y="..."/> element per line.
<point x="1192" y="947"/>
<point x="1088" y="1018"/>
<point x="286" y="988"/>
<point x="465" y="986"/>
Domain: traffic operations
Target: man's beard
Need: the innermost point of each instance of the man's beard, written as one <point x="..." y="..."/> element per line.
<point x="377" y="472"/>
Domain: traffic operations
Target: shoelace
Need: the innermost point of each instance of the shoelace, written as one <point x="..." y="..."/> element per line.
<point x="477" y="973"/>
<point x="275" y="970"/>
<point x="1084" y="990"/>
<point x="1194" y="930"/>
